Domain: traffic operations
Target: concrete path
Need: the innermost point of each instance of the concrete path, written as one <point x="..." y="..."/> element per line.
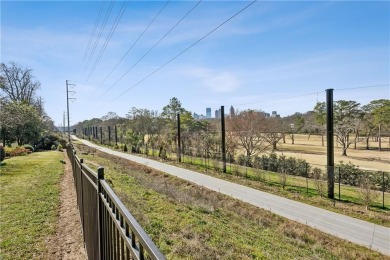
<point x="358" y="231"/>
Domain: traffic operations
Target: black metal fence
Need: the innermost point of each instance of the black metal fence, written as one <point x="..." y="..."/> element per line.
<point x="109" y="230"/>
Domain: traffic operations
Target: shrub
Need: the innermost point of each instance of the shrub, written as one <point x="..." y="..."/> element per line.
<point x="62" y="142"/>
<point x="53" y="147"/>
<point x="47" y="142"/>
<point x="59" y="147"/>
<point x="28" y="147"/>
<point x="2" y="153"/>
<point x="301" y="168"/>
<point x="241" y="159"/>
<point x="125" y="148"/>
<point x="273" y="162"/>
<point x="18" y="151"/>
<point x="350" y="173"/>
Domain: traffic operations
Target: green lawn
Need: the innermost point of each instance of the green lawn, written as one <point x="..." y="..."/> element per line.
<point x="189" y="222"/>
<point x="29" y="199"/>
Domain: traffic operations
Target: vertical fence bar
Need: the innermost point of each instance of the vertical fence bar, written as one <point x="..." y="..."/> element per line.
<point x="100" y="175"/>
<point x="383" y="189"/>
<point x="178" y="139"/>
<point x="330" y="142"/>
<point x="223" y="137"/>
<point x="339" y="183"/>
<point x="109" y="135"/>
<point x="116" y="136"/>
<point x="101" y="135"/>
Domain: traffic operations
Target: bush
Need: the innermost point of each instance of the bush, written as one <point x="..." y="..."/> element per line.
<point x="241" y="160"/>
<point x="59" y="148"/>
<point x="18" y="151"/>
<point x="273" y="162"/>
<point x="47" y="142"/>
<point x="125" y="148"/>
<point x="2" y="153"/>
<point x="28" y="147"/>
<point x="62" y="142"/>
<point x="350" y="173"/>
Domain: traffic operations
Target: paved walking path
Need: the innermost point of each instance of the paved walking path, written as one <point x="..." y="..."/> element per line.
<point x="358" y="231"/>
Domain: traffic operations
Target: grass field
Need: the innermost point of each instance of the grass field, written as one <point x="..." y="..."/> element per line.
<point x="313" y="152"/>
<point x="297" y="188"/>
<point x="29" y="198"/>
<point x="190" y="222"/>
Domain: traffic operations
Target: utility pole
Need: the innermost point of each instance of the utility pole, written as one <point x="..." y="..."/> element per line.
<point x="67" y="104"/>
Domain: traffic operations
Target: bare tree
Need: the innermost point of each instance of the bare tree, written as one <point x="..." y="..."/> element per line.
<point x="273" y="132"/>
<point x="319" y="181"/>
<point x="18" y="83"/>
<point x="347" y="117"/>
<point x="366" y="191"/>
<point x="247" y="127"/>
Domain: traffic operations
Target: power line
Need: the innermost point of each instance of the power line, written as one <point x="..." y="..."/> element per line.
<point x="309" y="94"/>
<point x="183" y="51"/>
<point x="134" y="43"/>
<point x="372" y="86"/>
<point x="157" y="43"/>
<point x="113" y="28"/>
<point x="101" y="30"/>
<point x="279" y="98"/>
<point x="93" y="30"/>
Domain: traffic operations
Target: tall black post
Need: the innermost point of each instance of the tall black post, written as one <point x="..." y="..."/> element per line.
<point x="329" y="141"/>
<point x="178" y="139"/>
<point x="109" y="135"/>
<point x="116" y="136"/>
<point x="223" y="132"/>
<point x="97" y="132"/>
<point x="101" y="135"/>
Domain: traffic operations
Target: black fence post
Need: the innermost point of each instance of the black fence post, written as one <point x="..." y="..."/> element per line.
<point x="383" y="189"/>
<point x="330" y="142"/>
<point x="223" y="133"/>
<point x="178" y="139"/>
<point x="116" y="136"/>
<point x="109" y="135"/>
<point x="101" y="135"/>
<point x="100" y="175"/>
<point x="307" y="178"/>
<point x="96" y="132"/>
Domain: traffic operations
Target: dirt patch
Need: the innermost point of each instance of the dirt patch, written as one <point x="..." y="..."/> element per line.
<point x="67" y="243"/>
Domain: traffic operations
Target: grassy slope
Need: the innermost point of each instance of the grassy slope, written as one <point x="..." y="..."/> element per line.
<point x="29" y="199"/>
<point x="296" y="189"/>
<point x="187" y="221"/>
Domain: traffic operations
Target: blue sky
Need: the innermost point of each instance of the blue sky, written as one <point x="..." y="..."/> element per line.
<point x="268" y="57"/>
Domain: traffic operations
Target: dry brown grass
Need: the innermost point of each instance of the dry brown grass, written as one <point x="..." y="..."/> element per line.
<point x="215" y="225"/>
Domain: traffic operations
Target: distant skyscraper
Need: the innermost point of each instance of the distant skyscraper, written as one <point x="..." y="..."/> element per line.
<point x="208" y="112"/>
<point x="218" y="113"/>
<point x="231" y="111"/>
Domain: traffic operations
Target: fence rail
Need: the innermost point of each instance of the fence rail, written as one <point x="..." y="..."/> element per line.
<point x="109" y="230"/>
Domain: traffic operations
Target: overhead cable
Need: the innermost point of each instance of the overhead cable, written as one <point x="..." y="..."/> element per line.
<point x="157" y="43"/>
<point x="182" y="52"/>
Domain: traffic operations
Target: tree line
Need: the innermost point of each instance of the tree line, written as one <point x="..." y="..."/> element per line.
<point x="23" y="118"/>
<point x="249" y="132"/>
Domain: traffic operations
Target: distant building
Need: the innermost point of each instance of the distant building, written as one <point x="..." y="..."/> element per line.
<point x="218" y="113"/>
<point x="208" y="112"/>
<point x="275" y="114"/>
<point x="195" y="116"/>
<point x="231" y="111"/>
